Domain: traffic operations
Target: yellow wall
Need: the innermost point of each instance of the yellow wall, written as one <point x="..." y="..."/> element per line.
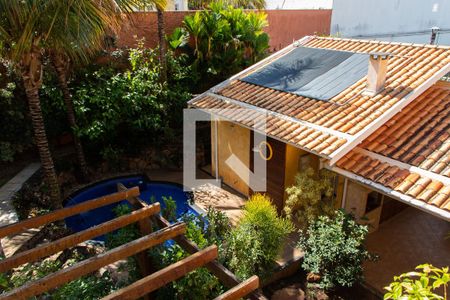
<point x="213" y="147"/>
<point x="233" y="139"/>
<point x="292" y="163"/>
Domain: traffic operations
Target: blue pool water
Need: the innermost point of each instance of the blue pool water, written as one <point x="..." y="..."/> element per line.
<point x="148" y="190"/>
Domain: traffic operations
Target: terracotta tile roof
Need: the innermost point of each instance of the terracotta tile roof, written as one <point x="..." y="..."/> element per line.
<point x="411" y="68"/>
<point x="276" y="126"/>
<point x="419" y="135"/>
<point x="410" y="154"/>
<point x="419" y="187"/>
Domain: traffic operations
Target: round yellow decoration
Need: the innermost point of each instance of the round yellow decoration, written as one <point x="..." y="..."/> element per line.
<point x="269" y="148"/>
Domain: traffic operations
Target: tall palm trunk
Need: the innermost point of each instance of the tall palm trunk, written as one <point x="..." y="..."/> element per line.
<point x="31" y="71"/>
<point x="162" y="45"/>
<point x="60" y="64"/>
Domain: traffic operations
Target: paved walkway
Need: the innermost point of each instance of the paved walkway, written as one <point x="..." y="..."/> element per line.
<point x="8" y="214"/>
<point x="405" y="241"/>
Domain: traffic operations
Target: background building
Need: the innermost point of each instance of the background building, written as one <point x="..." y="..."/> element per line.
<point x="389" y="20"/>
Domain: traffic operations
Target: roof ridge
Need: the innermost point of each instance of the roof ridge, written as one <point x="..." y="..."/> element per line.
<point x="380" y="42"/>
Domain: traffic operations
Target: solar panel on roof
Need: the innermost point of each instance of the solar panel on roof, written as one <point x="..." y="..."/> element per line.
<point x="311" y="72"/>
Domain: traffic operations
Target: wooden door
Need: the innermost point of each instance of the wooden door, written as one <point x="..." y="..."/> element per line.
<point x="275" y="169"/>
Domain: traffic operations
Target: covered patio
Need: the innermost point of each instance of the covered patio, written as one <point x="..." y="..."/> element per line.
<point x="411" y="238"/>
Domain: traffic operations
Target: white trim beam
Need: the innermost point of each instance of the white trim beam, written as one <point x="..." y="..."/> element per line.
<point x="281" y="116"/>
<point x="425" y="173"/>
<point x="431" y="209"/>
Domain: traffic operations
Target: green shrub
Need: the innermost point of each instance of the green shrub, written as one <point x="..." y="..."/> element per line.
<point x="420" y="284"/>
<point x="15" y="133"/>
<point x="132" y="109"/>
<point x="170" y="209"/>
<point x="255" y="243"/>
<point x="218" y="226"/>
<point x="198" y="284"/>
<point x="311" y="196"/>
<point x="334" y="250"/>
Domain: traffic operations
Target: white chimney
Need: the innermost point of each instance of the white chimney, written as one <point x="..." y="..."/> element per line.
<point x="376" y="76"/>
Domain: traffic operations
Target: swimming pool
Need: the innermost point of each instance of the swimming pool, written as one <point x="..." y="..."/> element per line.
<point x="149" y="190"/>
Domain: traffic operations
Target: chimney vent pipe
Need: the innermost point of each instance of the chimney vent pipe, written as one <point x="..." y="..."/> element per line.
<point x="376" y="76"/>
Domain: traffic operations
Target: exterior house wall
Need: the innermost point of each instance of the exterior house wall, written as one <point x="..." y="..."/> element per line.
<point x="292" y="165"/>
<point x="284" y="26"/>
<point x="356" y="202"/>
<point x="389" y="20"/>
<point x="232" y="139"/>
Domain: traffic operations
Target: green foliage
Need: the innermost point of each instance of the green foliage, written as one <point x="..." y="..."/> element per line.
<point x="311" y="196"/>
<point x="218" y="226"/>
<point x="169" y="210"/>
<point x="131" y="109"/>
<point x="198" y="284"/>
<point x="87" y="288"/>
<point x="15" y="133"/>
<point x="248" y="4"/>
<point x="225" y="40"/>
<point x="178" y="39"/>
<point x="255" y="243"/>
<point x="420" y="284"/>
<point x="334" y="250"/>
<point x="125" y="234"/>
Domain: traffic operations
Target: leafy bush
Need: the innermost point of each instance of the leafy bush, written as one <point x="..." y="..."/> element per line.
<point x="170" y="209"/>
<point x="130" y="109"/>
<point x="255" y="243"/>
<point x="122" y="235"/>
<point x="334" y="250"/>
<point x="420" y="284"/>
<point x="15" y="133"/>
<point x="218" y="226"/>
<point x="225" y="40"/>
<point x="198" y="284"/>
<point x="310" y="196"/>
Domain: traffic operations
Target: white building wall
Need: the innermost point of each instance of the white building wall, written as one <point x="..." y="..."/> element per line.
<point x="392" y="20"/>
<point x="299" y="4"/>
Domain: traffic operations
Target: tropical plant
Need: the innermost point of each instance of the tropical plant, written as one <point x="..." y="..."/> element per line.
<point x="89" y="40"/>
<point x="25" y="26"/>
<point x="424" y="283"/>
<point x="249" y="4"/>
<point x="258" y="238"/>
<point x="311" y="196"/>
<point x="334" y="250"/>
<point x="178" y="38"/>
<point x="225" y="40"/>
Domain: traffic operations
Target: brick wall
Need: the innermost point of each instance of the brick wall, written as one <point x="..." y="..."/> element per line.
<point x="284" y="26"/>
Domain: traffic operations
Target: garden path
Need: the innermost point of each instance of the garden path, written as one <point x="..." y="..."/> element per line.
<point x="8" y="213"/>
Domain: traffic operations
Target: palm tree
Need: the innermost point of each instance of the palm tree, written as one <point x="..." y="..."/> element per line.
<point x="25" y="29"/>
<point x="82" y="49"/>
<point x="162" y="43"/>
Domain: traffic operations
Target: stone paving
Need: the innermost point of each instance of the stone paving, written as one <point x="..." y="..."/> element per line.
<point x="408" y="239"/>
<point x="8" y="214"/>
